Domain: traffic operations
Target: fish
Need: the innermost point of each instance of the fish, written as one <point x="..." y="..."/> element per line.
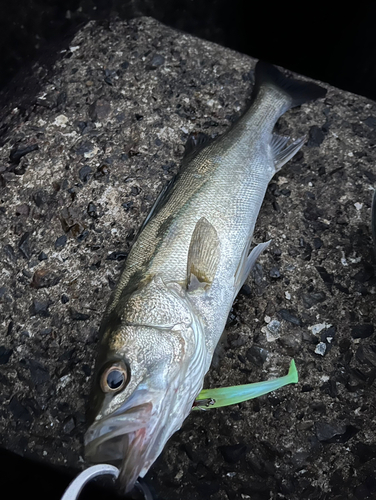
<point x="190" y="259"/>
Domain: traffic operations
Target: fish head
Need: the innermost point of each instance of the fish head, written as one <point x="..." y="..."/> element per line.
<point x="146" y="379"/>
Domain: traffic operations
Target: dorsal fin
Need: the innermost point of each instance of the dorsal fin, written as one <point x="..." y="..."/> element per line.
<point x="196" y="142"/>
<point x="159" y="202"/>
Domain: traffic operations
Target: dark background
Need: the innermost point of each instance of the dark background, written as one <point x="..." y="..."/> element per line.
<point x="328" y="41"/>
<point x="335" y="45"/>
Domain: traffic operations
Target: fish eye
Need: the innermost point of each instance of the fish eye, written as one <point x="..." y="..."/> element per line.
<point x="114" y="378"/>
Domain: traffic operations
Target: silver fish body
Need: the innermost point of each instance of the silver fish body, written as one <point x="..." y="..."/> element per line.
<point x="191" y="258"/>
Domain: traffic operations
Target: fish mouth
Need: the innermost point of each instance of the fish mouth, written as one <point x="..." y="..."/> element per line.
<point x="124" y="440"/>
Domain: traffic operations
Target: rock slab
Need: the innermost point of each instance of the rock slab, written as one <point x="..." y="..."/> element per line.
<point x="79" y="170"/>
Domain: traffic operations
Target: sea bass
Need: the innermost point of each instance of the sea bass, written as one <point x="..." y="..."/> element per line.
<point x="187" y="265"/>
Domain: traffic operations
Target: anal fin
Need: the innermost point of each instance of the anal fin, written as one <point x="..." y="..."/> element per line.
<point x="282" y="153"/>
<point x="246" y="264"/>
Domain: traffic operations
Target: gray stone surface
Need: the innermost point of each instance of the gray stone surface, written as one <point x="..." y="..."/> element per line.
<point x="79" y="170"/>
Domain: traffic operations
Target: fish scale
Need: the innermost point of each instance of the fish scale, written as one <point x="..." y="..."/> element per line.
<point x="187" y="265"/>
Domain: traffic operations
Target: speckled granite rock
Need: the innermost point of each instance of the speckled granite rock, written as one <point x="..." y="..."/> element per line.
<point x="79" y="170"/>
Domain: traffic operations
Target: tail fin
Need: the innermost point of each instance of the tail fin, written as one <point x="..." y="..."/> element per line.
<point x="298" y="91"/>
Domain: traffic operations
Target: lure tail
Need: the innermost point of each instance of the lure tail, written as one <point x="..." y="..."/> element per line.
<point x="224" y="396"/>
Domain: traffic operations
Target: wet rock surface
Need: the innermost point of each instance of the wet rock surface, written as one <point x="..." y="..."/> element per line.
<point x="79" y="171"/>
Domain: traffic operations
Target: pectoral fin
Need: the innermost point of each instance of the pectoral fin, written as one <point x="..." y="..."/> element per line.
<point x="224" y="396"/>
<point x="203" y="256"/>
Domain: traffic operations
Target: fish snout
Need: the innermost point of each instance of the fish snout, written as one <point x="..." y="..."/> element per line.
<point x="121" y="440"/>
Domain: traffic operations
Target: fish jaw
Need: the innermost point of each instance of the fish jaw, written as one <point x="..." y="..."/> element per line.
<point x="122" y="440"/>
<point x="132" y="439"/>
<point x="127" y="437"/>
<point x="102" y="439"/>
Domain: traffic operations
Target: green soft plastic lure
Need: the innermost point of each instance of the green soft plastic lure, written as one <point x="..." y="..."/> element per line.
<point x="224" y="396"/>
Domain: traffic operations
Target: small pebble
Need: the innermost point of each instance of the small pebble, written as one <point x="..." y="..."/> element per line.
<point x="320" y="348"/>
<point x="5" y="354"/>
<point x="100" y="110"/>
<point x="69" y="425"/>
<point x="27" y="273"/>
<point x="42" y="256"/>
<point x="326" y="431"/>
<point x="60" y="242"/>
<point x="44" y="278"/>
<point x="275" y="273"/>
<point x="46" y="331"/>
<point x="317" y="243"/>
<point x="362" y="331"/>
<point x="311" y="299"/>
<point x="61" y="121"/>
<point x="85" y="173"/>
<point x="24" y="246"/>
<point x="315" y="329"/>
<point x="77" y="316"/>
<point x="23" y="209"/>
<point x="18" y="152"/>
<point x="40" y="308"/>
<point x="289" y="316"/>
<point x="233" y="453"/>
<point x="92" y="210"/>
<point x="87" y="149"/>
<point x="256" y="355"/>
<point x="64" y="299"/>
<point x="272" y="330"/>
<point x="156" y="61"/>
<point x="274" y="326"/>
<point x="19" y="411"/>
